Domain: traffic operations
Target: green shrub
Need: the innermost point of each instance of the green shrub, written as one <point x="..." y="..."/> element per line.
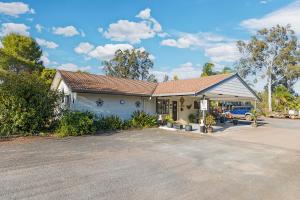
<point x="127" y="124"/>
<point x="109" y="123"/>
<point x="140" y="119"/>
<point x="27" y="105"/>
<point x="169" y="119"/>
<point x="75" y="123"/>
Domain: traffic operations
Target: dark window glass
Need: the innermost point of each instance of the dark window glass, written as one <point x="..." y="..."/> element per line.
<point x="196" y="105"/>
<point x="162" y="106"/>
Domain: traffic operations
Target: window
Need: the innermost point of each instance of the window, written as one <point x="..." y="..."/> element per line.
<point x="162" y="106"/>
<point x="196" y="105"/>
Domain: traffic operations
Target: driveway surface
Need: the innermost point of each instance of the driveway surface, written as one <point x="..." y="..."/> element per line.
<point x="247" y="163"/>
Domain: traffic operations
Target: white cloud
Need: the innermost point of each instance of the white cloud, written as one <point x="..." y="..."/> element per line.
<point x="100" y="30"/>
<point x="145" y="14"/>
<point x="67" y="31"/>
<point x="47" y="44"/>
<point x="223" y="53"/>
<point x="107" y="51"/>
<point x="82" y="33"/>
<point x="39" y="28"/>
<point x="7" y="28"/>
<point x="45" y="59"/>
<point x="218" y="48"/>
<point x="193" y="40"/>
<point x="184" y="71"/>
<point x="73" y="67"/>
<point x="289" y="14"/>
<point x="15" y="9"/>
<point x="83" y="48"/>
<point x="265" y="1"/>
<point x="134" y="32"/>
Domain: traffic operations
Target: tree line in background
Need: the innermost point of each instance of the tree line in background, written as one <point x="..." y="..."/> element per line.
<point x="273" y="54"/>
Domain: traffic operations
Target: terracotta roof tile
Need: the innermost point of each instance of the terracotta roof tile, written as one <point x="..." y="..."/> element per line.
<point x="83" y="82"/>
<point x="188" y="86"/>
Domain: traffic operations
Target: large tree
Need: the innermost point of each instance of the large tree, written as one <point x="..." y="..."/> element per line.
<point x="271" y="53"/>
<point x="20" y="53"/>
<point x="207" y="69"/>
<point x="132" y="64"/>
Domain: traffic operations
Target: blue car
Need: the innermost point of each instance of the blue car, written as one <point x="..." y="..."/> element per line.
<point x="242" y="112"/>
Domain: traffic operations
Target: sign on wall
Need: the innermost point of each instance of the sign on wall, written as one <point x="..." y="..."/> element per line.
<point x="203" y="105"/>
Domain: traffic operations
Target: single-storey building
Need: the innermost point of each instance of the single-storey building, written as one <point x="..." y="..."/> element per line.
<point x="105" y="95"/>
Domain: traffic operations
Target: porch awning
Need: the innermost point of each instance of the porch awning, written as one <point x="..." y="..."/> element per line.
<point x="229" y="87"/>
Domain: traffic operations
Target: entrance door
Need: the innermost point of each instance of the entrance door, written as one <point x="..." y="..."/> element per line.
<point x="174" y="110"/>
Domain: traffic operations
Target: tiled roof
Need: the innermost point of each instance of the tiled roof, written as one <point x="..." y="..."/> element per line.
<point x="188" y="86"/>
<point x="84" y="82"/>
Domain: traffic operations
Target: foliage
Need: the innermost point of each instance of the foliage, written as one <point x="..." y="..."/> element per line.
<point x="207" y="69"/>
<point x="191" y="118"/>
<point x="283" y="99"/>
<point x="254" y="115"/>
<point x="168" y="118"/>
<point x="75" y="123"/>
<point x="20" y="53"/>
<point x="131" y="64"/>
<point x="166" y="78"/>
<point x="271" y="53"/>
<point x="47" y="75"/>
<point x="140" y="119"/>
<point x="26" y="104"/>
<point x="210" y="120"/>
<point x="175" y="78"/>
<point x="110" y="123"/>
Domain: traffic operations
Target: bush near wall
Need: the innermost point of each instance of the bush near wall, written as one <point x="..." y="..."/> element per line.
<point x="140" y="119"/>
<point x="27" y="105"/>
<point x="74" y="123"/>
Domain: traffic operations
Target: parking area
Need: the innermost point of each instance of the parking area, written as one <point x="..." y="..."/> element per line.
<point x="243" y="163"/>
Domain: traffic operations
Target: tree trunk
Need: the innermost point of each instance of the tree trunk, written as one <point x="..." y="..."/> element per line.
<point x="270" y="92"/>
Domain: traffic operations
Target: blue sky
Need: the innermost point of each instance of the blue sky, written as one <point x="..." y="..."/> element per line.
<point x="180" y="35"/>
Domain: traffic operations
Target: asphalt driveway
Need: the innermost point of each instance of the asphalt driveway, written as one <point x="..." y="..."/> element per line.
<point x="262" y="163"/>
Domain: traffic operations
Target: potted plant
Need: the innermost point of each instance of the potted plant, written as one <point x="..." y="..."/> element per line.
<point x="191" y="118"/>
<point x="209" y="122"/>
<point x="254" y="118"/>
<point x="169" y="121"/>
<point x="235" y="121"/>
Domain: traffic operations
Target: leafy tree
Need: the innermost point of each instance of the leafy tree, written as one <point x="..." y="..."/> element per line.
<point x="166" y="78"/>
<point x="20" y="53"/>
<point x="47" y="75"/>
<point x="283" y="99"/>
<point x="226" y="70"/>
<point x="272" y="53"/>
<point x="27" y="105"/>
<point x="175" y="78"/>
<point x="207" y="69"/>
<point x="132" y="64"/>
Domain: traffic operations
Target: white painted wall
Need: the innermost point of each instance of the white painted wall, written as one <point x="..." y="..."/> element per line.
<point x="185" y="112"/>
<point x="111" y="104"/>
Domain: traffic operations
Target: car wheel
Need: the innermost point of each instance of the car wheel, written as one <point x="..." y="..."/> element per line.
<point x="248" y="118"/>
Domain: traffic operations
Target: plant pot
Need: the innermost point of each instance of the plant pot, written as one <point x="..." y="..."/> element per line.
<point x="254" y="124"/>
<point x="235" y="122"/>
<point x="210" y="129"/>
<point x="222" y="120"/>
<point x="202" y="129"/>
<point x="188" y="128"/>
<point x="169" y="124"/>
